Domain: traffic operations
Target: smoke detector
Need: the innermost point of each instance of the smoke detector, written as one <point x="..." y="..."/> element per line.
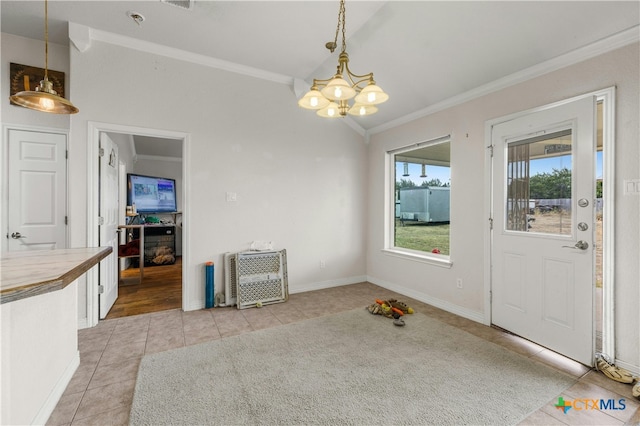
<point x="182" y="4"/>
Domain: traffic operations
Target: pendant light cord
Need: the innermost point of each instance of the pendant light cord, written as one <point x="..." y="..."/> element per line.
<point x="46" y="40"/>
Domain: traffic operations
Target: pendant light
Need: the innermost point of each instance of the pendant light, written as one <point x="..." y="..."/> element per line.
<point x="330" y="97"/>
<point x="44" y="98"/>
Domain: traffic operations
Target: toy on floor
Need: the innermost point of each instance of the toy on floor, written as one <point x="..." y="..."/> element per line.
<point x="391" y="309"/>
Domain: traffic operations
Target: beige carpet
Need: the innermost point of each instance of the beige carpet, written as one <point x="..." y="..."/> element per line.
<point x="351" y="368"/>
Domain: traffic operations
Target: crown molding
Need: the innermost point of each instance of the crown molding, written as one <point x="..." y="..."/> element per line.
<point x="170" y="52"/>
<point x="616" y="41"/>
<point x="158" y="158"/>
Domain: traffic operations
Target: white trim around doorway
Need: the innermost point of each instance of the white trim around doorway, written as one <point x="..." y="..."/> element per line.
<point x="93" y="149"/>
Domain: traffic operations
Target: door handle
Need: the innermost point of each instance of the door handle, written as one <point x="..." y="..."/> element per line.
<point x="580" y="245"/>
<point x="17" y="235"/>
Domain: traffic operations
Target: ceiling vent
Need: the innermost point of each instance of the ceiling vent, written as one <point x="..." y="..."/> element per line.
<point x="182" y="4"/>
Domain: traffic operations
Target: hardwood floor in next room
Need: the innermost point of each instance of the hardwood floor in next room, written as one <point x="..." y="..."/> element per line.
<point x="160" y="290"/>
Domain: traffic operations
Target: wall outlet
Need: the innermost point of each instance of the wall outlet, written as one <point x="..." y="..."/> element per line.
<point x="231" y="197"/>
<point x="323" y="264"/>
<point x="459" y="283"/>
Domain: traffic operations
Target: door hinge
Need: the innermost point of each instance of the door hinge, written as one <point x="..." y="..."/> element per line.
<point x="490" y="148"/>
<point x="100" y="289"/>
<point x="66" y="154"/>
<point x="101" y="152"/>
<point x="100" y="220"/>
<point x="66" y="220"/>
<point x="490" y="296"/>
<point x="491" y="223"/>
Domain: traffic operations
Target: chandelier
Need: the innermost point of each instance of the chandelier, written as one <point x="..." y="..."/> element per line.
<point x="44" y="98"/>
<point x="330" y="97"/>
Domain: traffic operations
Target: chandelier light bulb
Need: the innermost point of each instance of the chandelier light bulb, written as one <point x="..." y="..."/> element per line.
<point x="360" y="110"/>
<point x="338" y="89"/>
<point x="330" y="111"/>
<point x="313" y="99"/>
<point x="372" y="95"/>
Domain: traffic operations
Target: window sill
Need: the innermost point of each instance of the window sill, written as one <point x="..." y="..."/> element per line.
<point x="417" y="256"/>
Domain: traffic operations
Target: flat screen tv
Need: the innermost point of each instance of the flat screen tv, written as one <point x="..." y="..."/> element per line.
<point x="151" y="194"/>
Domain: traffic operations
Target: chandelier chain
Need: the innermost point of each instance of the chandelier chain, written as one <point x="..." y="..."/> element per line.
<point x="341" y="24"/>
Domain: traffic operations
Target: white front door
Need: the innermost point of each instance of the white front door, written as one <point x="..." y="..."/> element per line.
<point x="37" y="190"/>
<point x="109" y="222"/>
<point x="542" y="278"/>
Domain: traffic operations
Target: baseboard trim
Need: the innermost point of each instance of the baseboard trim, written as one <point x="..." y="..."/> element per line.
<point x="328" y="284"/>
<point x="634" y="369"/>
<point x="83" y="323"/>
<point x="433" y="301"/>
<point x="56" y="393"/>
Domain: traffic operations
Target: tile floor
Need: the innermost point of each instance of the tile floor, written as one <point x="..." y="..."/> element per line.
<point x="101" y="391"/>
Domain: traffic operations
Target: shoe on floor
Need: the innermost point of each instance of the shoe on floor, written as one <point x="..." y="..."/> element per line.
<point x="636" y="389"/>
<point x="614" y="373"/>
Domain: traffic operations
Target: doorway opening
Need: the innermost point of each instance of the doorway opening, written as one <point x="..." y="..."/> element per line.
<point x="592" y="214"/>
<point x="150" y="186"/>
<point x="143" y="152"/>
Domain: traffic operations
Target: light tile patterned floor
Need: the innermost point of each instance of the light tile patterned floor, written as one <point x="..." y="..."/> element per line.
<point x="101" y="391"/>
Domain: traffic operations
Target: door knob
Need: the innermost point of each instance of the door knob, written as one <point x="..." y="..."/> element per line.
<point x="17" y="235"/>
<point x="580" y="245"/>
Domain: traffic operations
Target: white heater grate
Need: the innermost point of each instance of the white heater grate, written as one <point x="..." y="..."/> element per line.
<point x="261" y="277"/>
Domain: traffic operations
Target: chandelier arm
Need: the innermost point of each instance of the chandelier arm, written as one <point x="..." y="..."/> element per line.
<point x="356" y="79"/>
<point x="321" y="83"/>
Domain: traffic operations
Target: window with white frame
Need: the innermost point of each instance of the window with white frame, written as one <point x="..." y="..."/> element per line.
<point x="421" y="218"/>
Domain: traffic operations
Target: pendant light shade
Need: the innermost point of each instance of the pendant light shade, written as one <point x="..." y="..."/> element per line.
<point x="338" y="89"/>
<point x="313" y="99"/>
<point x="361" y="110"/>
<point x="332" y="110"/>
<point x="371" y="95"/>
<point x="44" y="98"/>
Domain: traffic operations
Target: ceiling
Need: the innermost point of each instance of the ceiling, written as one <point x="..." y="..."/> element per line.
<point x="422" y="53"/>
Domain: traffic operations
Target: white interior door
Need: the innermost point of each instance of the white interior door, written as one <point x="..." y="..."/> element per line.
<point x="109" y="223"/>
<point x="542" y="279"/>
<point x="37" y="190"/>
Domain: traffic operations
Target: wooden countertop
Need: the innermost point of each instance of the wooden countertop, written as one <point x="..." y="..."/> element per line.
<point x="30" y="273"/>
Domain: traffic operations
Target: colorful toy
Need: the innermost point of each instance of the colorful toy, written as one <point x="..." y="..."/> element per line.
<point x="391" y="308"/>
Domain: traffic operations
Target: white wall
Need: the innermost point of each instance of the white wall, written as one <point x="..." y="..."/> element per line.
<point x="300" y="181"/>
<point x="466" y="123"/>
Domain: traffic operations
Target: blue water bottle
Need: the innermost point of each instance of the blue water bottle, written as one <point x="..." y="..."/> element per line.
<point x="209" y="285"/>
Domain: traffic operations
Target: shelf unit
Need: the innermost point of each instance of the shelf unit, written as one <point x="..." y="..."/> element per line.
<point x="129" y="236"/>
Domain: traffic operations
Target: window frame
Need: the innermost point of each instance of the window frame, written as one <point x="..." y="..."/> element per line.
<point x="389" y="247"/>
